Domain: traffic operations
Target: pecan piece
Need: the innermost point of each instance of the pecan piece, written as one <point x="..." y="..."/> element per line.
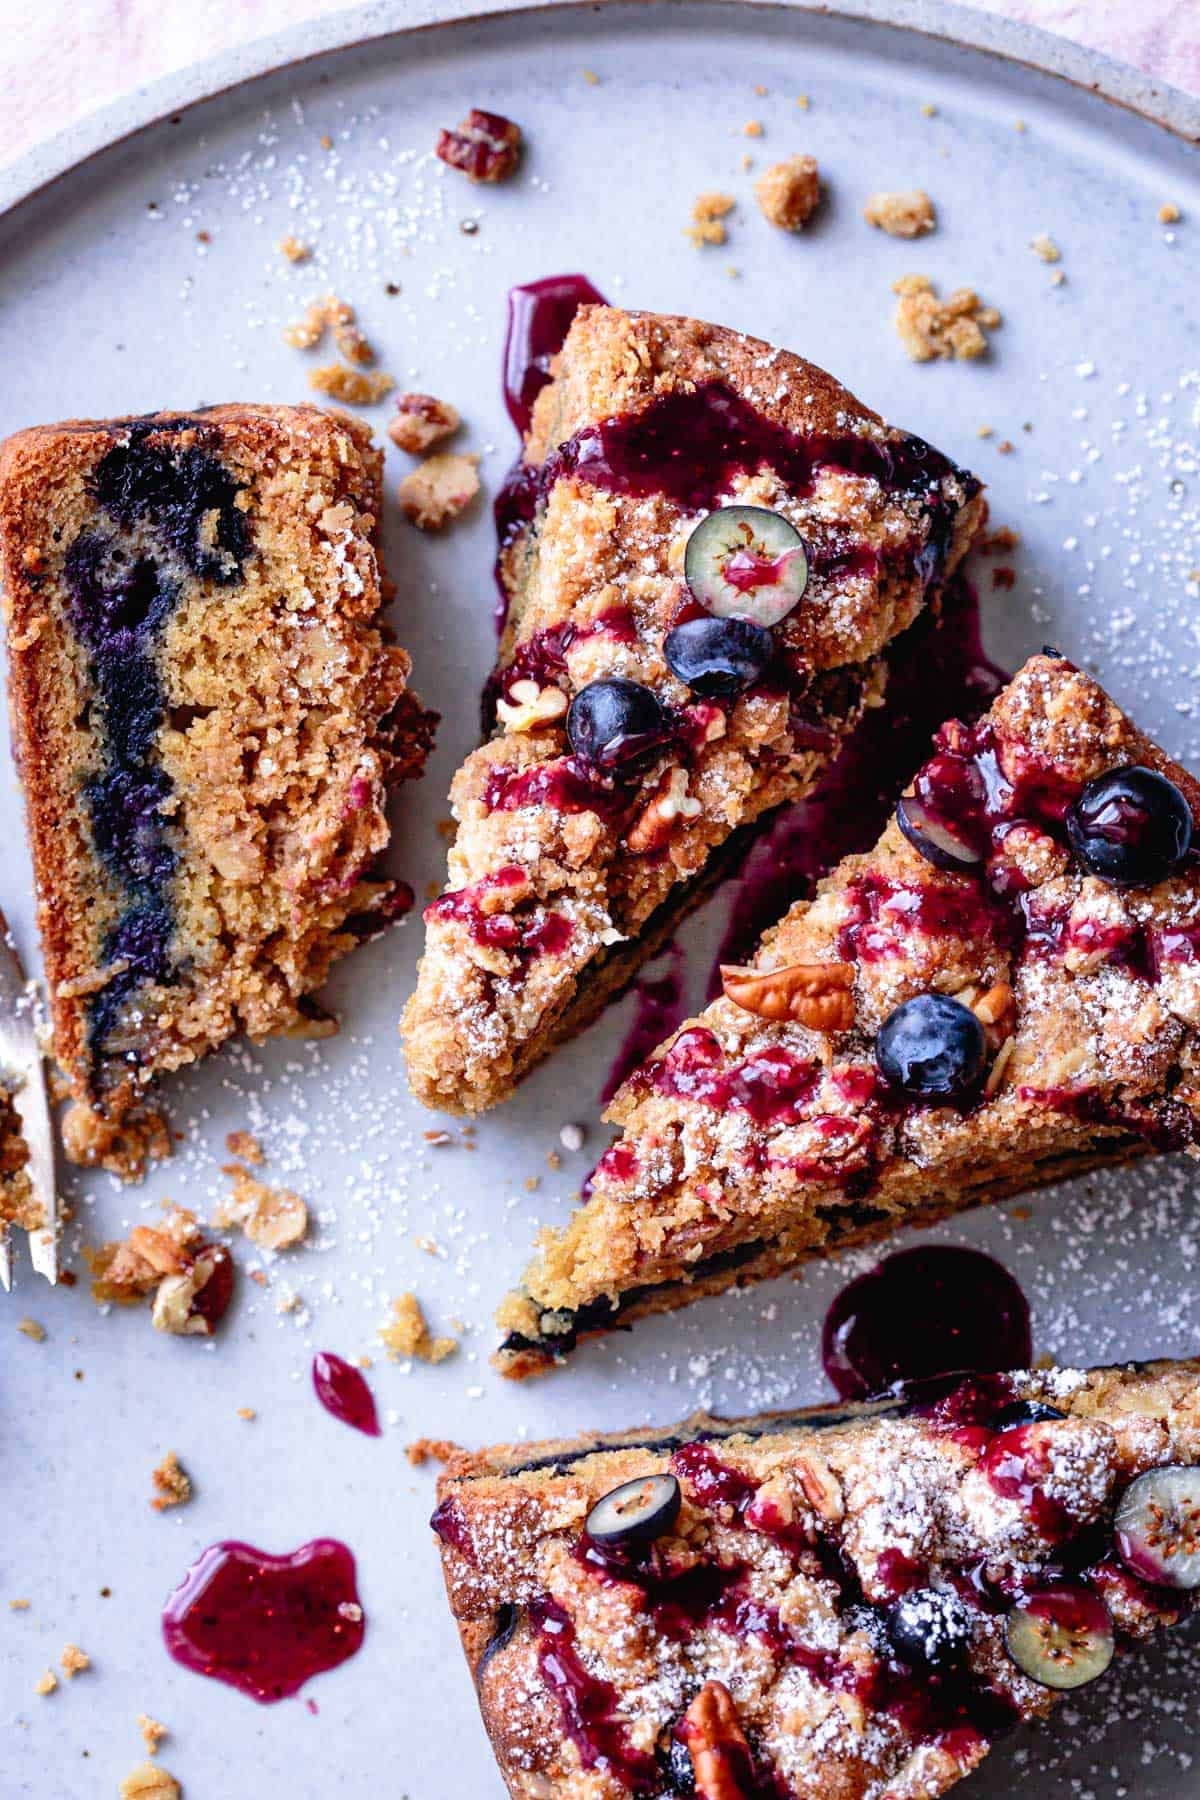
<point x="819" y="995"/>
<point x="671" y="802"/>
<point x="485" y="146"/>
<point x="721" y="1759"/>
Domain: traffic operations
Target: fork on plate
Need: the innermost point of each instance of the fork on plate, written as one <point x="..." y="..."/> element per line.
<point x="23" y="1073"/>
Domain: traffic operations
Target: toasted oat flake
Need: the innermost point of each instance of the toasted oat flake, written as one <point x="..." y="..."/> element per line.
<point x="31" y="1329"/>
<point x="150" y="1782"/>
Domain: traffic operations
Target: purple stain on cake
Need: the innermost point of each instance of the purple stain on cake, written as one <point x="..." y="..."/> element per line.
<point x="167" y="514"/>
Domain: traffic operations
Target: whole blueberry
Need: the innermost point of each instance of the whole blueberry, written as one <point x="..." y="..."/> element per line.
<point x="1025" y="1412"/>
<point x="932" y="1048"/>
<point x="615" y="723"/>
<point x="1131" y="827"/>
<point x="929" y="1628"/>
<point x="718" y="657"/>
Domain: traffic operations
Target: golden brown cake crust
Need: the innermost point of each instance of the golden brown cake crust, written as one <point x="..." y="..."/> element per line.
<point x="797" y="1535"/>
<point x="1089" y="995"/>
<point x="600" y="573"/>
<point x="279" y="715"/>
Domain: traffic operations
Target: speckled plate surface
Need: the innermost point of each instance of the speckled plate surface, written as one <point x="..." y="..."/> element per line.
<point x="150" y="276"/>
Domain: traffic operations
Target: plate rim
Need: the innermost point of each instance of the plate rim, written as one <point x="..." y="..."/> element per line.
<point x="67" y="151"/>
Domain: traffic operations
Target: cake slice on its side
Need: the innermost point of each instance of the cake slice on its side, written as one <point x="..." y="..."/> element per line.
<point x="707" y="548"/>
<point x="833" y="1605"/>
<point x="1005" y="991"/>
<point x="207" y="719"/>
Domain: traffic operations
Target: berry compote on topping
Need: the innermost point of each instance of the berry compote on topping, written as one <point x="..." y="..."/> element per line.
<point x="1157" y="1526"/>
<point x="932" y="1048"/>
<point x="718" y="658"/>
<point x="616" y="724"/>
<point x="746" y="562"/>
<point x="922" y="1313"/>
<point x="342" y="1391"/>
<point x="1131" y="827"/>
<point x="1061" y="1636"/>
<point x="265" y="1624"/>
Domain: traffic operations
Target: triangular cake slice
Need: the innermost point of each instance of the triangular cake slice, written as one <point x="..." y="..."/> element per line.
<point x="1005" y="991"/>
<point x="712" y="664"/>
<point x="850" y="1604"/>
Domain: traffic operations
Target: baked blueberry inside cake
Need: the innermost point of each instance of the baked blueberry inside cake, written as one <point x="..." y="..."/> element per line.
<point x="851" y="1601"/>
<point x="208" y="718"/>
<point x="1003" y="992"/>
<point x="705" y="549"/>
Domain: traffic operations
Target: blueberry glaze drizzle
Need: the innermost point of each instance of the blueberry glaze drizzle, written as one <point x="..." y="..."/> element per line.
<point x="167" y="513"/>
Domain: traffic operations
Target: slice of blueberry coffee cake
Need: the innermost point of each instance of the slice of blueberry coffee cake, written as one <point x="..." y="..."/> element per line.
<point x="1005" y="991"/>
<point x="707" y="546"/>
<point x="207" y="718"/>
<point x="842" y="1604"/>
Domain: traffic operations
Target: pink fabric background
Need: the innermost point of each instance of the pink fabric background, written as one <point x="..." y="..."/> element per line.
<point x="62" y="58"/>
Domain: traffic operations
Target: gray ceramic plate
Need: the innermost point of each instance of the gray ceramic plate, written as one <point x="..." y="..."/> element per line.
<point x="149" y="275"/>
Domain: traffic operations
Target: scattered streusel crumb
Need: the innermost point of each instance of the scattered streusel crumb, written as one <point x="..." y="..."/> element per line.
<point x="307" y="332"/>
<point x="929" y="110"/>
<point x="1005" y="447"/>
<point x="431" y="1450"/>
<point x="708" y="211"/>
<point x="31" y="1329"/>
<point x="18" y="1606"/>
<point x="354" y="387"/>
<point x="47" y="1683"/>
<point x="930" y="327"/>
<point x="908" y="215"/>
<point x="152" y="1732"/>
<point x="802" y="102"/>
<point x="1169" y="213"/>
<point x="993" y="543"/>
<point x="74" y="1661"/>
<point x="407" y="1334"/>
<point x="172" y="1486"/>
<point x="752" y="128"/>
<point x="245" y="1145"/>
<point x="591" y="77"/>
<point x="439" y="490"/>
<point x="273" y="1218"/>
<point x="294" y="250"/>
<point x="247" y="1413"/>
<point x="1045" y="247"/>
<point x="150" y="1782"/>
<point x="1058" y="277"/>
<point x="422" y="421"/>
<point x="789" y="192"/>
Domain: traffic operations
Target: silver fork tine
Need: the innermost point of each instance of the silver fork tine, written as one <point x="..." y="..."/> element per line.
<point x="21" y="1057"/>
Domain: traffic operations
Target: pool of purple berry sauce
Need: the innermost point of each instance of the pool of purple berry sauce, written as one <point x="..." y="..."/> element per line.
<point x="937" y="670"/>
<point x="343" y="1391"/>
<point x="265" y="1624"/>
<point x="924" y="1312"/>
<point x="659" y="1008"/>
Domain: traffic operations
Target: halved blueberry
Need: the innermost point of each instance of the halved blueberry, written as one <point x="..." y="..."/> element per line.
<point x="1060" y="1636"/>
<point x="1131" y="827"/>
<point x="936" y="841"/>
<point x="931" y="1048"/>
<point x="930" y="1628"/>
<point x="718" y="657"/>
<point x="746" y="562"/>
<point x="637" y="1512"/>
<point x="1025" y="1412"/>
<point x="1157" y="1526"/>
<point x="616" y="723"/>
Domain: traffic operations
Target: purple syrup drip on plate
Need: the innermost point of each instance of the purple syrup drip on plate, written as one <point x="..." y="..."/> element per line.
<point x="265" y="1624"/>
<point x="922" y="1313"/>
<point x="343" y="1391"/>
<point x="539" y="318"/>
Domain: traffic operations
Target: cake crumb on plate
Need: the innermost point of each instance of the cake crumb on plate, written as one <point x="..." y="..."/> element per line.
<point x="172" y="1484"/>
<point x="408" y="1335"/>
<point x="908" y="215"/>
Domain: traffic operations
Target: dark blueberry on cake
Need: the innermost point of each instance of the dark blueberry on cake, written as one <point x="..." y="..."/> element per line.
<point x="1060" y="1635"/>
<point x="635" y="1513"/>
<point x="1131" y="827"/>
<point x="932" y="1048"/>
<point x="935" y="838"/>
<point x="1024" y="1412"/>
<point x="616" y="724"/>
<point x="718" y="658"/>
<point x="183" y="592"/>
<point x="1157" y="1527"/>
<point x="930" y="1628"/>
<point x="746" y="562"/>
